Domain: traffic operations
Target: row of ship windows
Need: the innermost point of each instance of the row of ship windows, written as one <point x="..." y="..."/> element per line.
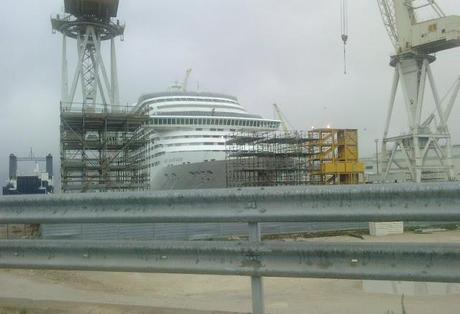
<point x="206" y="121"/>
<point x="194" y="99"/>
<point x="187" y="144"/>
<point x="163" y="153"/>
<point x="193" y="136"/>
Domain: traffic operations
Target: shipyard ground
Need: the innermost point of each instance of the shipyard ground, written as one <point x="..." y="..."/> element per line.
<point x="28" y="291"/>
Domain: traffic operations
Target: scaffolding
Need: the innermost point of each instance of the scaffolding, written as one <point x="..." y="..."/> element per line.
<point x="101" y="150"/>
<point x="333" y="156"/>
<point x="266" y="159"/>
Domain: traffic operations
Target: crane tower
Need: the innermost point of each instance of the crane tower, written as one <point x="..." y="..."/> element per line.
<point x="101" y="142"/>
<point x="91" y="23"/>
<point x="416" y="41"/>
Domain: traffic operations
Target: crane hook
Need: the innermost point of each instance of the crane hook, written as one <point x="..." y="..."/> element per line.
<point x="344" y="39"/>
<point x="344" y="26"/>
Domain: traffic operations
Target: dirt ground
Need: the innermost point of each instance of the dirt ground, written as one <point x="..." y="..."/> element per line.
<point x="31" y="291"/>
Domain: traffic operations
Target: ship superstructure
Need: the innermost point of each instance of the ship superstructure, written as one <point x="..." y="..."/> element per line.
<point x="188" y="131"/>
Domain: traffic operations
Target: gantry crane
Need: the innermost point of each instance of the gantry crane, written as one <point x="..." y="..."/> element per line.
<point x="415" y="42"/>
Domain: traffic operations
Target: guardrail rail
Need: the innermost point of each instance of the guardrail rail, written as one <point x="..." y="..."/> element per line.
<point x="435" y="262"/>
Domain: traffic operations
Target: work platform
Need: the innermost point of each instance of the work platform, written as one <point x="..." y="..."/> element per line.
<point x="334" y="156"/>
<point x="267" y="159"/>
<point x="319" y="156"/>
<point x="102" y="150"/>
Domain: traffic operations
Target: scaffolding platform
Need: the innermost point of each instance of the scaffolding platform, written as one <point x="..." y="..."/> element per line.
<point x="101" y="150"/>
<point x="267" y="159"/>
<point x="334" y="156"/>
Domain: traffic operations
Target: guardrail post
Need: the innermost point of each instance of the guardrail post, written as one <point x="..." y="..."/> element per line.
<point x="257" y="287"/>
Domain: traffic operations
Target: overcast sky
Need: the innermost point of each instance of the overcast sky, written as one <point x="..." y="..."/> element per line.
<point x="262" y="51"/>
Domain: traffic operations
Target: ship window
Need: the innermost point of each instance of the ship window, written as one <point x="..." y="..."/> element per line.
<point x="195" y="121"/>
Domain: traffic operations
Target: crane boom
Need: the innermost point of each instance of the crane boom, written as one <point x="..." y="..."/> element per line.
<point x="388" y="15"/>
<point x="409" y="34"/>
<point x="284" y="123"/>
<point x="185" y="83"/>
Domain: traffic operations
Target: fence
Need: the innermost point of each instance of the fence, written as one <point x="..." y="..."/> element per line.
<point x="409" y="202"/>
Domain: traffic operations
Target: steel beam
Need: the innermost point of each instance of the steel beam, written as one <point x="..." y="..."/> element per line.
<point x="374" y="261"/>
<point x="392" y="202"/>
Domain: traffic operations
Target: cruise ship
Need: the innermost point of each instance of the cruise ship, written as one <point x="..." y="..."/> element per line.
<point x="188" y="132"/>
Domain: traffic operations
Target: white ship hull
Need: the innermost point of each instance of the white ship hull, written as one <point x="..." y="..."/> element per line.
<point x="188" y="134"/>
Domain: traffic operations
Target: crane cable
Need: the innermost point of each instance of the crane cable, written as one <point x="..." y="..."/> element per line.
<point x="344" y="29"/>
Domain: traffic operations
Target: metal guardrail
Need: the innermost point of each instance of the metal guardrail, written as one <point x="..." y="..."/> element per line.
<point x="373" y="261"/>
<point x="393" y="202"/>
<point x="390" y="261"/>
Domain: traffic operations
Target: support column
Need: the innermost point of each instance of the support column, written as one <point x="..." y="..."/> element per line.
<point x="384" y="154"/>
<point x="258" y="306"/>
